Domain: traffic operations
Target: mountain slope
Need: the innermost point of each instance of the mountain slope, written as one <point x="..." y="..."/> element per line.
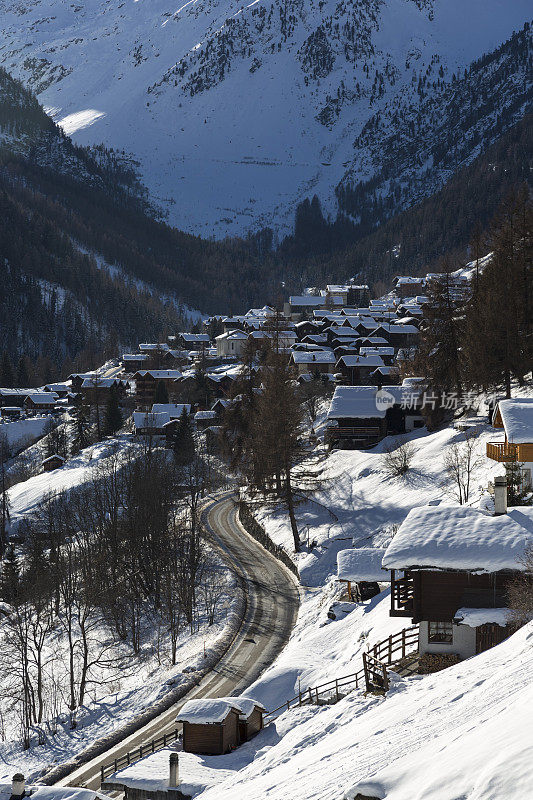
<point x="237" y="111"/>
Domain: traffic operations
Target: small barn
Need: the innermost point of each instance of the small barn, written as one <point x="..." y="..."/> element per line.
<point x="360" y="569"/>
<point x="210" y="726"/>
<point x="54" y="461"/>
<point x="250" y="719"/>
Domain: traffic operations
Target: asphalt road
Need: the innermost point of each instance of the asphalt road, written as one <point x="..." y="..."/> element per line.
<point x="271" y="610"/>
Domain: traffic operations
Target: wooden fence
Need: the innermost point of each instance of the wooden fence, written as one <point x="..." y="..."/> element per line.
<point x="374" y="674"/>
<point x="256" y="530"/>
<point x="139" y="752"/>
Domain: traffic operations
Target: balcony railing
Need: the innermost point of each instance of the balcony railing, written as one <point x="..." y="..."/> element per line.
<point x="502" y="451"/>
<point x="402" y="596"/>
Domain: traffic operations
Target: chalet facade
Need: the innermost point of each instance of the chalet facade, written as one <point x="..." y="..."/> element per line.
<point x="450" y="571"/>
<point x="146" y="385"/>
<point x="313" y="361"/>
<point x="515" y="418"/>
<point x="361" y="416"/>
<point x="41" y="401"/>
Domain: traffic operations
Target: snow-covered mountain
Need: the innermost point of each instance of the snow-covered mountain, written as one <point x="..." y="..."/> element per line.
<point x="236" y="111"/>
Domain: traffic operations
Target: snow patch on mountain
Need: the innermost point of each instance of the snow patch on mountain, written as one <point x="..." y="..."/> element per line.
<point x="236" y="111"/>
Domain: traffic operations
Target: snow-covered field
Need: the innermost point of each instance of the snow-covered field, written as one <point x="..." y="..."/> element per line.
<point x="462" y="734"/>
<point x="360" y="502"/>
<point x="23" y="432"/>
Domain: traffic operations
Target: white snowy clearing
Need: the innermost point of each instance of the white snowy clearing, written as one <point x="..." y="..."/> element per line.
<point x="23" y="432"/>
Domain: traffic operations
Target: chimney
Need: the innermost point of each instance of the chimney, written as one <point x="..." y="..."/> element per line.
<point x="500" y="495"/>
<point x="18" y="786"/>
<point x="174" y="770"/>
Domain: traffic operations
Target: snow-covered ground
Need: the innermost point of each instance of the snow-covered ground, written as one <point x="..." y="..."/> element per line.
<point x="461" y="734"/>
<point x="23" y="432"/>
<point x="360" y="502"/>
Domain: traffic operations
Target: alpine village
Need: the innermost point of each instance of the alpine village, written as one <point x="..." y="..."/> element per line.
<point x="266" y="400"/>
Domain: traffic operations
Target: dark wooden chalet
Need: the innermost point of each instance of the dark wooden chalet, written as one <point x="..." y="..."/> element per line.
<point x="450" y="571"/>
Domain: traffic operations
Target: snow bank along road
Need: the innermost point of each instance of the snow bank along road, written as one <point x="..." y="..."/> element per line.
<point x="272" y="600"/>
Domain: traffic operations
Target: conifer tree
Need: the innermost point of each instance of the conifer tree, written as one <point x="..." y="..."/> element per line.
<point x="113" y="414"/>
<point x="7" y="377"/>
<point x="81" y="429"/>
<point x="183" y="440"/>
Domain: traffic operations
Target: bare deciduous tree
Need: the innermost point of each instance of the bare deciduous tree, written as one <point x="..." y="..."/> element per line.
<point x="397" y="458"/>
<point x="460" y="463"/>
<point x="520" y="591"/>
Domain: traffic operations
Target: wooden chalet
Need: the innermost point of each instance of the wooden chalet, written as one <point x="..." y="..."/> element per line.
<point x="54" y="461"/>
<point x="40" y="401"/>
<point x="96" y="389"/>
<point x="356" y="369"/>
<point x="450" y="570"/>
<point x="515" y="418"/>
<point x="146" y="385"/>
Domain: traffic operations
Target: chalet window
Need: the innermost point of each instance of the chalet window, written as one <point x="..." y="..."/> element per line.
<point x="440" y="633"/>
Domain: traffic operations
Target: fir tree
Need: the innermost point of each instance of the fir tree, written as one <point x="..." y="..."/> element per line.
<point x="81" y="429"/>
<point x="113" y="414"/>
<point x="23" y="378"/>
<point x="10" y="577"/>
<point x="7" y="377"/>
<point x="183" y="440"/>
<point x="517" y="493"/>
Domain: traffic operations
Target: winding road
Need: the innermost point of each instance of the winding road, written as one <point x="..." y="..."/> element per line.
<point x="272" y="600"/>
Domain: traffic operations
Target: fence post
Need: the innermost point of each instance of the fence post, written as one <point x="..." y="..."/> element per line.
<point x="365" y="668"/>
<point x="403" y="643"/>
<point x="102" y="774"/>
<point x="316" y="690"/>
<point x="128" y="756"/>
<point x="390" y="649"/>
<point x="337" y="689"/>
<point x="299" y="697"/>
<point x="310" y="697"/>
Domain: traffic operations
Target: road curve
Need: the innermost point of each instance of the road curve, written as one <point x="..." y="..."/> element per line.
<point x="272" y="600"/>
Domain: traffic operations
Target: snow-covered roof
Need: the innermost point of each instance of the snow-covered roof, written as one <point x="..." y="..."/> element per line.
<point x="395" y="328"/>
<point x="195" y="337"/>
<point x="147" y="419"/>
<point x="356" y="402"/>
<point x="313" y="357"/>
<point x="409" y="279"/>
<point x="208" y="711"/>
<point x="159" y="373"/>
<point x="376" y="350"/>
<point x="53" y="457"/>
<point x="461" y="538"/>
<point x="135" y="356"/>
<point x="479" y="616"/>
<point x="98" y="382"/>
<point x="174" y="410"/>
<point x="205" y="415"/>
<point x="153" y="346"/>
<point x="361" y="564"/>
<point x="517" y="418"/>
<point x="362" y="361"/>
<point x="44" y="398"/>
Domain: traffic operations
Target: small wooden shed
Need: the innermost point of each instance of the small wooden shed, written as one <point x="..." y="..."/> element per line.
<point x="250" y="719"/>
<point x="360" y="568"/>
<point x="210" y="726"/>
<point x="54" y="461"/>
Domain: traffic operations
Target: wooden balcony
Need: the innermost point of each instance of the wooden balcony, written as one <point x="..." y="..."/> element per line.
<point x="502" y="451"/>
<point x="402" y="595"/>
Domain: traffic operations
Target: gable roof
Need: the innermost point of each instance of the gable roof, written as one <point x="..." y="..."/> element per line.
<point x="208" y="711"/>
<point x="313" y="357"/>
<point x="355" y="402"/>
<point x="517" y="419"/>
<point x="461" y="538"/>
<point x="371" y="360"/>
